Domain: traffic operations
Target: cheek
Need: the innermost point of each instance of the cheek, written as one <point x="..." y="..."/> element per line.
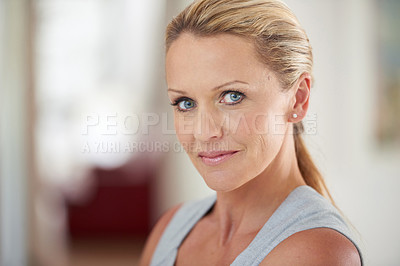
<point x="261" y="150"/>
<point x="250" y="124"/>
<point x="269" y="123"/>
<point x="184" y="128"/>
<point x="262" y="134"/>
<point x="251" y="131"/>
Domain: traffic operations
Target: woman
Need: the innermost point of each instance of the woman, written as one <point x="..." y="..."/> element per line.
<point x="239" y="78"/>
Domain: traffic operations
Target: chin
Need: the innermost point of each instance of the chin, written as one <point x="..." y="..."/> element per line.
<point x="224" y="177"/>
<point x="223" y="181"/>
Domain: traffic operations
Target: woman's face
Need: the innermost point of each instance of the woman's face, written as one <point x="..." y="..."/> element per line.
<point x="231" y="115"/>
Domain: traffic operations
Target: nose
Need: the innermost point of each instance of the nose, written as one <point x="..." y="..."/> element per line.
<point x="208" y="126"/>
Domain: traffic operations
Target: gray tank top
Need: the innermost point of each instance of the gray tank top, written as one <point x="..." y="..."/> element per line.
<point x="303" y="209"/>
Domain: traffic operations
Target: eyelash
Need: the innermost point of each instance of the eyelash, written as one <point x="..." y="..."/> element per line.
<point x="177" y="101"/>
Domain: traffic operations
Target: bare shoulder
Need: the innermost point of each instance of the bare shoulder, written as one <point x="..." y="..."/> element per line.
<point x="319" y="246"/>
<point x="156" y="234"/>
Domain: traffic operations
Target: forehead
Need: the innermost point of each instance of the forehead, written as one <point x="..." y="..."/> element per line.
<point x="211" y="59"/>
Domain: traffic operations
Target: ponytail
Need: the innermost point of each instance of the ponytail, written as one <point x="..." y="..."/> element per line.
<point x="308" y="170"/>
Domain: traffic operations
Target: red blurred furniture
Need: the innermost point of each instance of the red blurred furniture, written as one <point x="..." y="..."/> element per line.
<point x="118" y="205"/>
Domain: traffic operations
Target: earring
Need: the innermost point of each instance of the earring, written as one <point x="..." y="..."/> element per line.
<point x="294" y="115"/>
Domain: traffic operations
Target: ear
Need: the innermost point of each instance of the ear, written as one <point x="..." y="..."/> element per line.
<point x="301" y="98"/>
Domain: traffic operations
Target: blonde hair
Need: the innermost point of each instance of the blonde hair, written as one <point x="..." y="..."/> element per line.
<point x="280" y="41"/>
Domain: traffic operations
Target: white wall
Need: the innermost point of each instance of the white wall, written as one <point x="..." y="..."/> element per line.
<point x="14" y="128"/>
<point x="364" y="181"/>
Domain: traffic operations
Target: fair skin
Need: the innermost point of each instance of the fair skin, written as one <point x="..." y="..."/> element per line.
<point x="226" y="99"/>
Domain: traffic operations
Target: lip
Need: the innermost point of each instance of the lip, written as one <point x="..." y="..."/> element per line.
<point x="212" y="158"/>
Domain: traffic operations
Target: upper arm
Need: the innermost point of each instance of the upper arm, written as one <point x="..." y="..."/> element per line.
<point x="318" y="246"/>
<point x="155" y="236"/>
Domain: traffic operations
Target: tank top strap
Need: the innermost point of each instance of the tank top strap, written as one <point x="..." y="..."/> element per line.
<point x="178" y="228"/>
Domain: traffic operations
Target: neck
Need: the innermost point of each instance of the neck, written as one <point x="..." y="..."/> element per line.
<point x="246" y="209"/>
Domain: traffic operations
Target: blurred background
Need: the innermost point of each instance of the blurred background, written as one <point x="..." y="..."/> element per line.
<point x="88" y="156"/>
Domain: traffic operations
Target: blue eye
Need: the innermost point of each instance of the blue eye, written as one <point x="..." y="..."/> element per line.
<point x="185" y="105"/>
<point x="232" y="97"/>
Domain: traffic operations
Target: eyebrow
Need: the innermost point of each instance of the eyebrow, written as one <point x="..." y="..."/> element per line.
<point x="216" y="88"/>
